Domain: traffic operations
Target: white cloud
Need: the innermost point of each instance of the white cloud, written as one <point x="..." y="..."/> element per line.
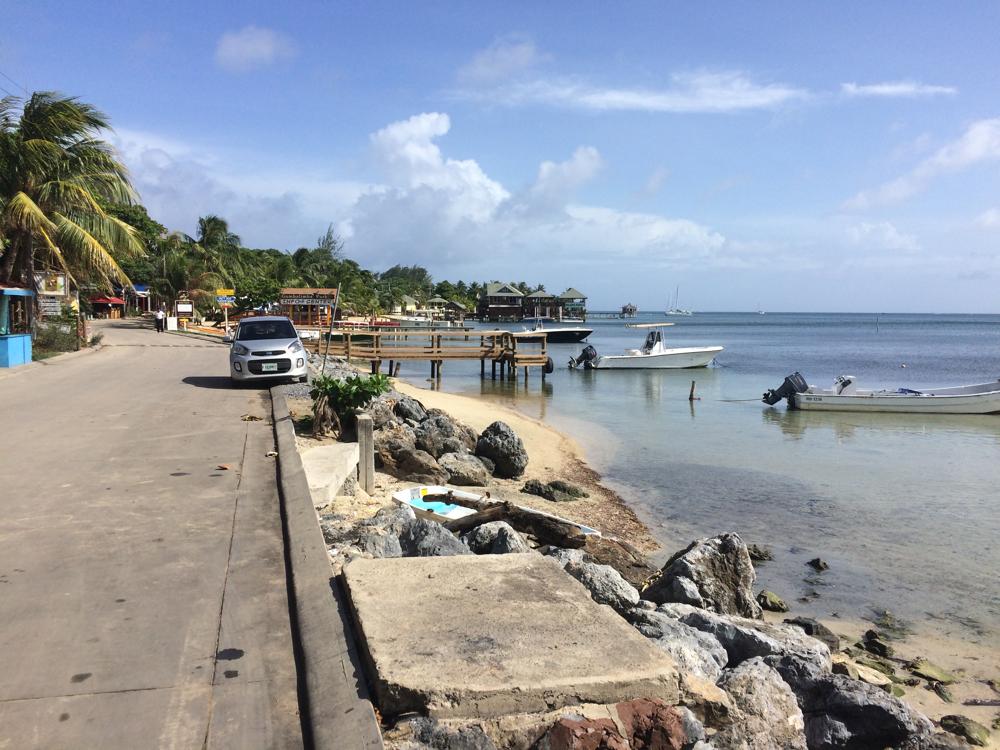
<point x="979" y="143"/>
<point x="881" y="235"/>
<point x="896" y="89"/>
<point x="690" y="93"/>
<point x="506" y="57"/>
<point x="655" y="181"/>
<point x="989" y="219"/>
<point x="252" y="47"/>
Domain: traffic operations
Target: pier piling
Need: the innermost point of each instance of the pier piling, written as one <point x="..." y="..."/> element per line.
<point x="366" y="453"/>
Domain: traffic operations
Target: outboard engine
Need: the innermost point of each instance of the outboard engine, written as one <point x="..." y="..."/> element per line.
<point x="589" y="354"/>
<point x="794" y="383"/>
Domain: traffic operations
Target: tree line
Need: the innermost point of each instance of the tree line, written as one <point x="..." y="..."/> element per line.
<point x="67" y="205"/>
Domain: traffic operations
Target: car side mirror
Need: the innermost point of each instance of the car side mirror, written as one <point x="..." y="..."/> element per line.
<point x="227" y="339"/>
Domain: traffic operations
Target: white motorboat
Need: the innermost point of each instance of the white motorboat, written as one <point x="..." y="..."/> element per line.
<point x="983" y="398"/>
<point x="653" y="355"/>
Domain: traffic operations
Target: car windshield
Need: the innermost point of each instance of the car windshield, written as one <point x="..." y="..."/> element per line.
<point x="265" y="329"/>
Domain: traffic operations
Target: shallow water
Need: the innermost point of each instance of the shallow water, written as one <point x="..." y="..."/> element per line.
<point x="904" y="507"/>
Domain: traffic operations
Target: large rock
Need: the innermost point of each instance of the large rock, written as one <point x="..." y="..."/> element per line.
<point x="693" y="650"/>
<point x="410" y="408"/>
<point x="464" y="469"/>
<point x="381" y="413"/>
<point x="565" y="556"/>
<point x="495" y="538"/>
<point x="715" y="574"/>
<point x="765" y="716"/>
<point x="501" y="445"/>
<point x="605" y="584"/>
<point x="430" y="733"/>
<point x="440" y="434"/>
<point x="843" y="713"/>
<point x="392" y="445"/>
<point x="971" y="731"/>
<point x="419" y="466"/>
<point x="744" y="638"/>
<point x="817" y="630"/>
<point x="379" y="543"/>
<point x="391" y="518"/>
<point x="642" y="723"/>
<point x="621" y="556"/>
<point x="423" y="538"/>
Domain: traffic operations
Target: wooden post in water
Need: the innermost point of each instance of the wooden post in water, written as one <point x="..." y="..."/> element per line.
<point x="366" y="453"/>
<point x="439" y="363"/>
<point x="493" y="370"/>
<point x="691" y="396"/>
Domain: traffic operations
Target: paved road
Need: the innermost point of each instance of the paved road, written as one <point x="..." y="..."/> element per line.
<point x="142" y="587"/>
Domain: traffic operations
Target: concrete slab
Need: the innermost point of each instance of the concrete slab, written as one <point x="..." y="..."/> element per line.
<point x="490" y="635"/>
<point x="327" y="467"/>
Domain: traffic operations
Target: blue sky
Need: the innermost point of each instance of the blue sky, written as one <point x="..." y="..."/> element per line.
<point x="796" y="156"/>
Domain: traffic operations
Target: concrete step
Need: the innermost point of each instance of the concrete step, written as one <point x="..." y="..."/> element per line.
<point x="327" y="467"/>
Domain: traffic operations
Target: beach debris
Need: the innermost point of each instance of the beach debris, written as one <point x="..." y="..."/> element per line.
<point x="842" y="712"/>
<point x="971" y="731"/>
<point x="714" y="573"/>
<point x="890" y="625"/>
<point x="842" y="664"/>
<point x="501" y="445"/>
<point x="544" y="528"/>
<point x="222" y="467"/>
<point x="250" y="418"/>
<point x="270" y="454"/>
<point x="495" y="538"/>
<point x="771" y="602"/>
<point x="765" y="713"/>
<point x="759" y="553"/>
<point x="996" y="722"/>
<point x="874" y="643"/>
<point x="931" y="672"/>
<point x="605" y="584"/>
<point x="980" y="702"/>
<point x="942" y="691"/>
<point x="557" y="491"/>
<point x="694" y="651"/>
<point x="817" y="630"/>
<point x="818" y="564"/>
<point x="464" y="469"/>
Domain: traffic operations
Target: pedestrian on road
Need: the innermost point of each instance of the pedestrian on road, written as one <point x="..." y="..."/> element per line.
<point x="161" y="320"/>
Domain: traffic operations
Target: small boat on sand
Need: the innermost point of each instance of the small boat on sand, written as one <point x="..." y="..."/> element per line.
<point x="983" y="398"/>
<point x="653" y="355"/>
<point x="446" y="504"/>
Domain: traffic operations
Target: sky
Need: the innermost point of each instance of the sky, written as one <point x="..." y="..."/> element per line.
<point x="783" y="156"/>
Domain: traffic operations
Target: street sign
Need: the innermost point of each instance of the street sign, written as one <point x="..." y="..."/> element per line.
<point x="225" y="292"/>
<point x="225" y="301"/>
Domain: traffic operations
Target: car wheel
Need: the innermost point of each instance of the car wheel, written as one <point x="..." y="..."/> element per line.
<point x="303" y="379"/>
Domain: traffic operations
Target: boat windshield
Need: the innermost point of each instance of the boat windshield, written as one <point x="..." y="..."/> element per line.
<point x="652" y="339"/>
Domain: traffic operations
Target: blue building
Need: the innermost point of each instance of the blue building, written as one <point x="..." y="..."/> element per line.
<point x="15" y="326"/>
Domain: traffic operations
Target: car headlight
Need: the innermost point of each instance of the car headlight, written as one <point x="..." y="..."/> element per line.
<point x="295" y="346"/>
<point x="240" y="350"/>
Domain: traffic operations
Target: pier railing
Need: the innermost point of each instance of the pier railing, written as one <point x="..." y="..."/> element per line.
<point x="503" y="349"/>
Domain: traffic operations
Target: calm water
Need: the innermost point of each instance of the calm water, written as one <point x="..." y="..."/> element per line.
<point x="905" y="508"/>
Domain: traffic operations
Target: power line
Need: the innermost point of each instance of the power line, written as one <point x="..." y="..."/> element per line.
<point x="14" y="82"/>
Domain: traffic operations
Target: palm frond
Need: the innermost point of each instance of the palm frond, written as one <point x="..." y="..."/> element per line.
<point x="87" y="251"/>
<point x="23" y="214"/>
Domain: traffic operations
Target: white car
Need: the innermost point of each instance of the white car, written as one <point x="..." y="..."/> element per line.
<point x="267" y="347"/>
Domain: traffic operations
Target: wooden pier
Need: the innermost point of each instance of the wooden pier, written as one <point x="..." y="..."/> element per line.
<point x="504" y="350"/>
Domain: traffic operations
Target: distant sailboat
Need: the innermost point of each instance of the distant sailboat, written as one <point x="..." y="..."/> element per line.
<point x="759" y="311"/>
<point x="674" y="309"/>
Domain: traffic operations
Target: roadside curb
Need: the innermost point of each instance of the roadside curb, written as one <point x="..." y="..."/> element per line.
<point x="334" y="704"/>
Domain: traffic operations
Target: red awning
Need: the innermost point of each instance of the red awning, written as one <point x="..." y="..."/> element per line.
<point x="107" y="300"/>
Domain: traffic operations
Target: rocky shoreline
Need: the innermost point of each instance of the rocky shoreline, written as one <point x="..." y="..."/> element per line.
<point x="747" y="681"/>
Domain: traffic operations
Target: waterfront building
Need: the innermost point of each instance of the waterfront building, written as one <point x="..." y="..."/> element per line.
<point x="501" y="302"/>
<point x="573" y="304"/>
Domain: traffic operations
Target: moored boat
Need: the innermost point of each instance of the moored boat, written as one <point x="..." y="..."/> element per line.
<point x="558" y="334"/>
<point x="982" y="398"/>
<point x="654" y="354"/>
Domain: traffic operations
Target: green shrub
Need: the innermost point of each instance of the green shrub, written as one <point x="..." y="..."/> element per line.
<point x="336" y="399"/>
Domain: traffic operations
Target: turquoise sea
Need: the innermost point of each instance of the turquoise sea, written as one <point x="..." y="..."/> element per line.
<point x="905" y="508"/>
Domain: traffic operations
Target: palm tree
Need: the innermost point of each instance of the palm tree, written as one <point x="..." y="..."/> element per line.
<point x="55" y="177"/>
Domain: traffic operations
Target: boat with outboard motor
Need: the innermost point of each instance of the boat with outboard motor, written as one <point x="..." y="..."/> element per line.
<point x="654" y="354"/>
<point x="983" y="398"/>
<point x="555" y="333"/>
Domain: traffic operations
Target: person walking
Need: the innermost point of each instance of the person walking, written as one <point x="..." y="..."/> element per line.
<point x="161" y="320"/>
